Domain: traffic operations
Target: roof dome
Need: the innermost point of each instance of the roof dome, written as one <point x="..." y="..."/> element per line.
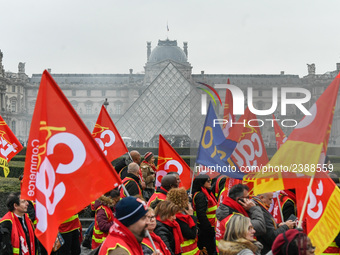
<point x="167" y="50"/>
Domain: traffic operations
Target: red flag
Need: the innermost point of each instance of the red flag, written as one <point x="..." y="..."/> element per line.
<point x="170" y="161"/>
<point x="107" y="136"/>
<point x="302" y="151"/>
<point x="250" y="154"/>
<point x="61" y="165"/>
<point x="228" y="111"/>
<point x="279" y="135"/>
<point x="322" y="213"/>
<point x="9" y="146"/>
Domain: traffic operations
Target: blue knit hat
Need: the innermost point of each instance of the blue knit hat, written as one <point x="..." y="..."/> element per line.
<point x="129" y="210"/>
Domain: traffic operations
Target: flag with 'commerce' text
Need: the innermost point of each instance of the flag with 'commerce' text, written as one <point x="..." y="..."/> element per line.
<point x="107" y="136"/>
<point x="9" y="146"/>
<point x="61" y="162"/>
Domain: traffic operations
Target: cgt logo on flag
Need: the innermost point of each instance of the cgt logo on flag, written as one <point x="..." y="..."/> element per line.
<point x="104" y="137"/>
<point x="9" y="146"/>
<point x="46" y="178"/>
<point x="107" y="136"/>
<point x="61" y="162"/>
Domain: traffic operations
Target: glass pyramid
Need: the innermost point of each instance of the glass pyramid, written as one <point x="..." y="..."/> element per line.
<point x="170" y="105"/>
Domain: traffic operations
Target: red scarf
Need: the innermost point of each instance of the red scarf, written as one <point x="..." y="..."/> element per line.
<point x="176" y="230"/>
<point x="18" y="231"/>
<point x="211" y="198"/>
<point x="234" y="205"/>
<point x="186" y="218"/>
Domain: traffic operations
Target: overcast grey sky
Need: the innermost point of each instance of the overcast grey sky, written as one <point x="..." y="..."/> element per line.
<point x="107" y="36"/>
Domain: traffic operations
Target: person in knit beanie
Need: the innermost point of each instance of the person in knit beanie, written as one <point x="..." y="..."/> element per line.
<point x="128" y="229"/>
<point x="148" y="170"/>
<point x="292" y="242"/>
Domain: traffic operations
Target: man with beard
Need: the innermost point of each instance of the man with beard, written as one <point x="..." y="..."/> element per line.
<point x="128" y="229"/>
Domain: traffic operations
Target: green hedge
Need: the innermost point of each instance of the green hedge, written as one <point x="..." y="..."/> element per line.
<point x="14" y="172"/>
<point x="18" y="158"/>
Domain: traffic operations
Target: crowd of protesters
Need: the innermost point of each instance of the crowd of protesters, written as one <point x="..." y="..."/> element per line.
<point x="210" y="218"/>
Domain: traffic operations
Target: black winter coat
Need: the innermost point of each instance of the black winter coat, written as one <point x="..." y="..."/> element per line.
<point x="166" y="234"/>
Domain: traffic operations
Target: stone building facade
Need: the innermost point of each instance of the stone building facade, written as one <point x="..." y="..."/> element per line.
<point x="163" y="100"/>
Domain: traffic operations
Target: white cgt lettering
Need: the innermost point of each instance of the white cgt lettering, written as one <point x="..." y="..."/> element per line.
<point x="46" y="176"/>
<point x="112" y="139"/>
<point x="10" y="148"/>
<point x="249" y="157"/>
<point x="162" y="173"/>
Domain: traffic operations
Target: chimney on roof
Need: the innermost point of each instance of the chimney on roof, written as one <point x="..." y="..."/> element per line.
<point x="130" y="76"/>
<point x="148" y="53"/>
<point x="338" y="67"/>
<point x="185" y="48"/>
<point x="282" y="72"/>
<point x="49" y="70"/>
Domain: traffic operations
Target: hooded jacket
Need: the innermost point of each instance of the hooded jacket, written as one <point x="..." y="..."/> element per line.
<point x="243" y="247"/>
<point x="103" y="220"/>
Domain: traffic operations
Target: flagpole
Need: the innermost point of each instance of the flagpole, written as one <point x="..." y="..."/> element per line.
<point x="305" y="202"/>
<point x="279" y="204"/>
<point x="130" y="156"/>
<point x="192" y="179"/>
<point x="150" y="238"/>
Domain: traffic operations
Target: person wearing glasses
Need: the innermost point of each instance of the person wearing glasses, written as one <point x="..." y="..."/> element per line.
<point x="239" y="237"/>
<point x="238" y="202"/>
<point x="146" y="243"/>
<point x="205" y="205"/>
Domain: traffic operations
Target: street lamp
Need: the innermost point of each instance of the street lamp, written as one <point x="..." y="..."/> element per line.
<point x="106" y="103"/>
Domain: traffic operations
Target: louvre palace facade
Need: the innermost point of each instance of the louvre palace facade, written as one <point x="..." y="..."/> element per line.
<point x="165" y="99"/>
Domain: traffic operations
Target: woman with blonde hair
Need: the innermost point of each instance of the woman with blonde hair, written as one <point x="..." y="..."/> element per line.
<point x="239" y="237"/>
<point x="167" y="228"/>
<point x="186" y="220"/>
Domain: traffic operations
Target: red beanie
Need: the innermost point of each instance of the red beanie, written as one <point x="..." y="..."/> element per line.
<point x="284" y="239"/>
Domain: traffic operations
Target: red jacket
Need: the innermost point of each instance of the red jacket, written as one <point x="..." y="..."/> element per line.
<point x="120" y="236"/>
<point x="160" y="194"/>
<point x="18" y="237"/>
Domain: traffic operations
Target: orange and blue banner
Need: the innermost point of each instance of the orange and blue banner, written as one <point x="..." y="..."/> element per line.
<point x="214" y="149"/>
